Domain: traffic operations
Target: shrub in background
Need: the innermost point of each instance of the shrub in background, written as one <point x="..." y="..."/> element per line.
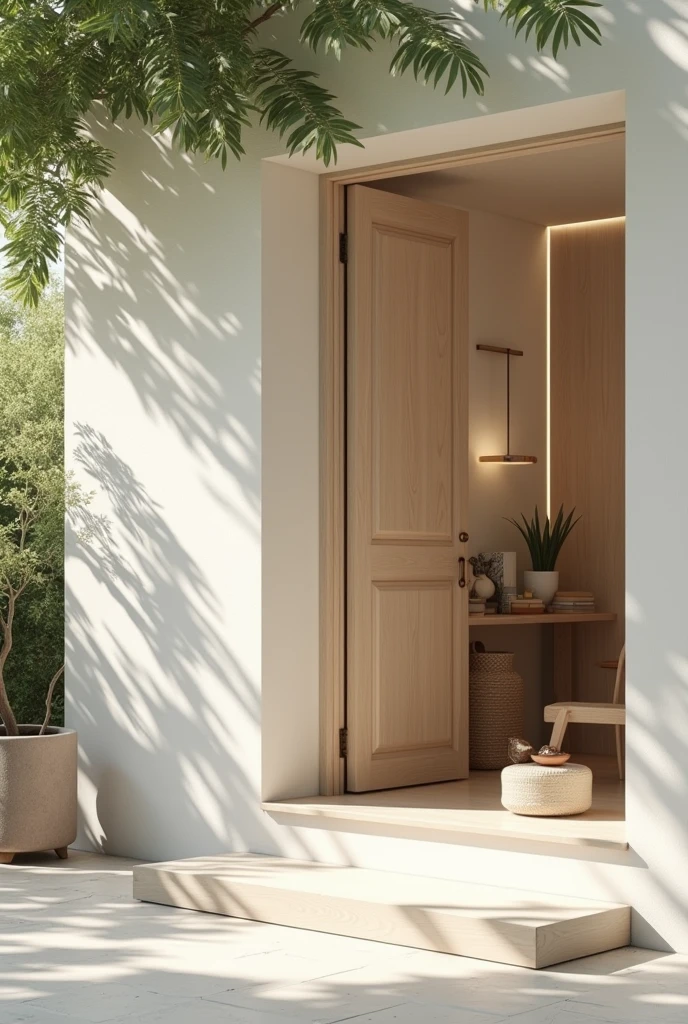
<point x="32" y="455"/>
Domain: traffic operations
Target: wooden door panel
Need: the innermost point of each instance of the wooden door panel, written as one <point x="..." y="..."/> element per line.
<point x="407" y="619"/>
<point x="413" y="561"/>
<point x="412" y="388"/>
<point x="412" y="627"/>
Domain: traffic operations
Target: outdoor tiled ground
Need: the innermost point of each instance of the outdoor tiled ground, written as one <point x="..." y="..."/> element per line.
<point x="75" y="947"/>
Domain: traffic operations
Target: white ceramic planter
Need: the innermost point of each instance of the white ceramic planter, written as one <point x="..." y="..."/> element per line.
<point x="37" y="791"/>
<point x="541" y="584"/>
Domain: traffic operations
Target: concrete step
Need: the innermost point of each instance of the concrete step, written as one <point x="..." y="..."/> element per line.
<point x="487" y="922"/>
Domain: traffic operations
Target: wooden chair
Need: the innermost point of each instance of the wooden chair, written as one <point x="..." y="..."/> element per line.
<point x="566" y="712"/>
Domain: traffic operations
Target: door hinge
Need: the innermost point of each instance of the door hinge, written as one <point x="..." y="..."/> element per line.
<point x="343" y="742"/>
<point x="343" y="248"/>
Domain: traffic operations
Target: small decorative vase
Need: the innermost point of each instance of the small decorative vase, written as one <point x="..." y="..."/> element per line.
<point x="496" y="698"/>
<point x="500" y="567"/>
<point x="483" y="588"/>
<point x="543" y="585"/>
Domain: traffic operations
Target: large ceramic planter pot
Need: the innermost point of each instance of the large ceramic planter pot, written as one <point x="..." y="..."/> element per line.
<point x="541" y="584"/>
<point x="37" y="791"/>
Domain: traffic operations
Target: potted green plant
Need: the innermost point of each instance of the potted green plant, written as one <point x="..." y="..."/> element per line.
<point x="544" y="544"/>
<point x="38" y="762"/>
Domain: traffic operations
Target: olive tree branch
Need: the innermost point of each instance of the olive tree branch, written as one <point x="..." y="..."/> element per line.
<point x="6" y="712"/>
<point x="49" y="700"/>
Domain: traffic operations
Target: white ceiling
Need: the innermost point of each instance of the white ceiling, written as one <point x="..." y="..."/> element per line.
<point x="583" y="182"/>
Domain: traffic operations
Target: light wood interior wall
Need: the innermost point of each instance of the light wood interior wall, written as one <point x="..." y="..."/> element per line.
<point x="587" y="442"/>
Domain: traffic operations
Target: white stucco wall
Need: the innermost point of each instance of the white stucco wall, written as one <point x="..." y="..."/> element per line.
<point x="164" y="414"/>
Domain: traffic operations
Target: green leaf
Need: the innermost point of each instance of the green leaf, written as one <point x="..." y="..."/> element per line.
<point x="555" y="19"/>
<point x="292" y="103"/>
<point x="428" y="43"/>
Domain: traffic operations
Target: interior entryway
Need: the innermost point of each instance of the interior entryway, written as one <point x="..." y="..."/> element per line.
<point x="525" y="255"/>
<point x="521" y="250"/>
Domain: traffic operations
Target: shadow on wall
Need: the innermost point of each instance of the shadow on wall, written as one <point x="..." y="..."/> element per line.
<point x="163" y="635"/>
<point x="142" y="673"/>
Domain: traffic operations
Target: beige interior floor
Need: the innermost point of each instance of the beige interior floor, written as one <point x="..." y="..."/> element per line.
<point x="473" y="806"/>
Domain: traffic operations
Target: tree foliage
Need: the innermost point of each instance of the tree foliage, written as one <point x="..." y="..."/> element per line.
<point x="32" y="504"/>
<point x="199" y="69"/>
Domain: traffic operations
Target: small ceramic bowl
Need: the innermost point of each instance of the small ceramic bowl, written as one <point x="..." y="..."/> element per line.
<point x="553" y="760"/>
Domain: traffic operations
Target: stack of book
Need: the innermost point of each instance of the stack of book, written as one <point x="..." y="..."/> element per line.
<point x="476" y="606"/>
<point x="526" y="606"/>
<point x="573" y="601"/>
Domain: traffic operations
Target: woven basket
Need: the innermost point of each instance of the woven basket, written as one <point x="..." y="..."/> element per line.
<point x="496" y="707"/>
<point x="544" y="791"/>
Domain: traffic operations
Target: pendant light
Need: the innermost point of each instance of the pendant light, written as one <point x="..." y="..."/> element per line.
<point x="507" y="458"/>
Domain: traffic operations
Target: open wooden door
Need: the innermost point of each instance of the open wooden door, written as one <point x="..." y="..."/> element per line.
<point x="407" y="451"/>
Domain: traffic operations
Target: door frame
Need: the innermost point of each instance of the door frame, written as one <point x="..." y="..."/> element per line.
<point x="332" y="685"/>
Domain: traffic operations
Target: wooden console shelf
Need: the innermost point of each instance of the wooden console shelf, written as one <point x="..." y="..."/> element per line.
<point x="562" y="638"/>
<point x="548" y="619"/>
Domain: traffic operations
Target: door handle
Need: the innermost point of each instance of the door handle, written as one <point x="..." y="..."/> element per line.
<point x="463" y="536"/>
<point x="462" y="571"/>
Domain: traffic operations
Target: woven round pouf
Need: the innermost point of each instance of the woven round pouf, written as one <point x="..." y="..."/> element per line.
<point x="496" y="697"/>
<point x="547" y="792"/>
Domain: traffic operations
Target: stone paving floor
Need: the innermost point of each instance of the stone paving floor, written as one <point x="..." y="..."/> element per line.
<point x="75" y="947"/>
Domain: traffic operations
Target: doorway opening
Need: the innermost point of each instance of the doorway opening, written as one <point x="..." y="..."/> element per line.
<point x="526" y="253"/>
